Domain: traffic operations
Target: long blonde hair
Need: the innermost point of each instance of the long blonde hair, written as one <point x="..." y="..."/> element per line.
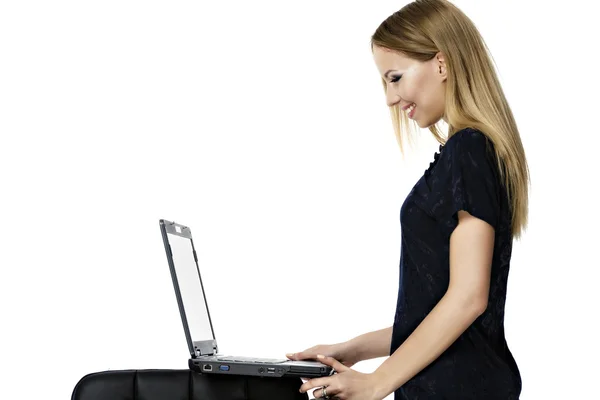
<point x="474" y="96"/>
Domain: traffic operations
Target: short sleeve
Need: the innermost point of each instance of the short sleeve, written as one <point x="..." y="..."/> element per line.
<point x="467" y="181"/>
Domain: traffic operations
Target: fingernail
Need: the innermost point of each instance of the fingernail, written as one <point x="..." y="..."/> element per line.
<point x="290" y="354"/>
<point x="320" y="356"/>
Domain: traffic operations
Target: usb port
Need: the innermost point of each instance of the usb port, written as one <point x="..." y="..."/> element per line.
<point x="224" y="367"/>
<point x="271" y="370"/>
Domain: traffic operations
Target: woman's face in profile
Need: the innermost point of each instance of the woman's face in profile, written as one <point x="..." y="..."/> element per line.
<point x="414" y="84"/>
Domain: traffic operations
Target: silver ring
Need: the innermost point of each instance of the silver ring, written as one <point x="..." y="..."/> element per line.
<point x="325" y="392"/>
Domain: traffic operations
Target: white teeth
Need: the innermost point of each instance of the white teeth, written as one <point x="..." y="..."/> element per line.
<point x="412" y="107"/>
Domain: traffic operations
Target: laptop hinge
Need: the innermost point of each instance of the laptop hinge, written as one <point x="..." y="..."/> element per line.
<point x="206" y="348"/>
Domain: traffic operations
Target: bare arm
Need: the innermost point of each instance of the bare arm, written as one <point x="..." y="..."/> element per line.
<point x="364" y="347"/>
<point x="471" y="249"/>
<point x="371" y="345"/>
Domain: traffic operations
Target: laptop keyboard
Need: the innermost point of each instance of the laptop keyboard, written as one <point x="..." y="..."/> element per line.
<point x="253" y="360"/>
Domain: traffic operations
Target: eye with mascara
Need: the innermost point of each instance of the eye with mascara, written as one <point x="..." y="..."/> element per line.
<point x="396" y="79"/>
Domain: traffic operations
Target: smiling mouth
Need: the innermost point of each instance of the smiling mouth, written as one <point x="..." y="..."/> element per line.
<point x="411" y="110"/>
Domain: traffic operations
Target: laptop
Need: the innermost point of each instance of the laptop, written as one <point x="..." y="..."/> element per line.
<point x="197" y="324"/>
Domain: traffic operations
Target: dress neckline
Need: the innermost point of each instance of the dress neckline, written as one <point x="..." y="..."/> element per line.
<point x="436" y="157"/>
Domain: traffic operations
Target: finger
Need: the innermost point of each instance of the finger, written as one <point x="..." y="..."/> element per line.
<point x="301" y="355"/>
<point x="315" y="383"/>
<point x="333" y="363"/>
<point x="317" y="394"/>
<point x="320" y="393"/>
<point x="296" y="356"/>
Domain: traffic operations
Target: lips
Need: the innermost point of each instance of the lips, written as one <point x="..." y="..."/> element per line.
<point x="410" y="109"/>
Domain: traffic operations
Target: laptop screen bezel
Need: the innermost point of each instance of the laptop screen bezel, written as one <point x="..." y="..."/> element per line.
<point x="202" y="347"/>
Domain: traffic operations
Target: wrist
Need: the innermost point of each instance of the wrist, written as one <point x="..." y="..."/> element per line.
<point x="379" y="385"/>
<point x="352" y="351"/>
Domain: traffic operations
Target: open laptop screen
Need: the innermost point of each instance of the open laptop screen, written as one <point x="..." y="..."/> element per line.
<point x="190" y="287"/>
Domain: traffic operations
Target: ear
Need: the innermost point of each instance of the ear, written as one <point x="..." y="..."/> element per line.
<point x="440" y="65"/>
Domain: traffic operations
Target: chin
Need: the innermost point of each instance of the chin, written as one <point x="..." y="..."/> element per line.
<point x="424" y="124"/>
<point x="421" y="124"/>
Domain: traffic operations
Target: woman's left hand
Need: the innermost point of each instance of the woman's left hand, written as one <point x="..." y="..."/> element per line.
<point x="346" y="384"/>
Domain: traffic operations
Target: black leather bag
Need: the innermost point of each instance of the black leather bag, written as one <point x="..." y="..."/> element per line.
<point x="165" y="384"/>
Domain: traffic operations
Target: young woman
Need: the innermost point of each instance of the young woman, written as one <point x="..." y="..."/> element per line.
<point x="457" y="223"/>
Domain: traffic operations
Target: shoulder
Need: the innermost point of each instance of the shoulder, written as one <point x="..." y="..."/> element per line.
<point x="468" y="156"/>
<point x="467" y="140"/>
<point x="469" y="147"/>
<point x="468" y="179"/>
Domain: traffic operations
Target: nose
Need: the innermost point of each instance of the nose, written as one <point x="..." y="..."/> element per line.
<point x="392" y="98"/>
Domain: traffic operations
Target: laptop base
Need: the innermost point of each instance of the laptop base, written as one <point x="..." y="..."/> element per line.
<point x="303" y="369"/>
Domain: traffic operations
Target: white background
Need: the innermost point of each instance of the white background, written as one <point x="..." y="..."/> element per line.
<point x="262" y="125"/>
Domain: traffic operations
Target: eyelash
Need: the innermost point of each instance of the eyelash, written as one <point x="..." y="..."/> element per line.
<point x="396" y="79"/>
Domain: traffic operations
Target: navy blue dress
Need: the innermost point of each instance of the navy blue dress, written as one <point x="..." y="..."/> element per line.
<point x="479" y="365"/>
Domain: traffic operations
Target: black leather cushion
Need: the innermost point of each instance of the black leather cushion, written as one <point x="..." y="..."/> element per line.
<point x="165" y="384"/>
